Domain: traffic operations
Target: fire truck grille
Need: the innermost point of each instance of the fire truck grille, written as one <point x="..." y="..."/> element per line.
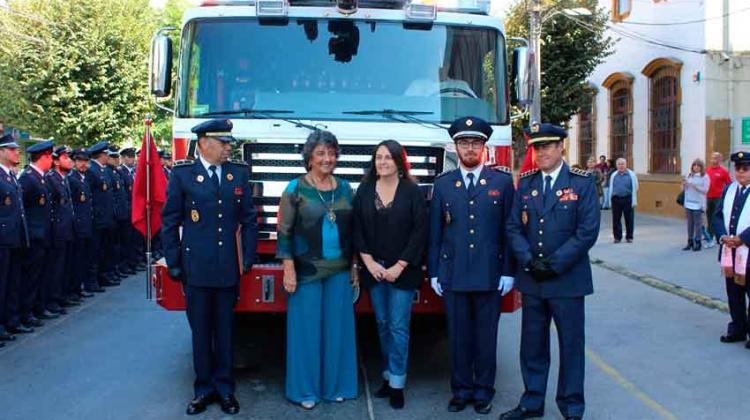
<point x="273" y="165"/>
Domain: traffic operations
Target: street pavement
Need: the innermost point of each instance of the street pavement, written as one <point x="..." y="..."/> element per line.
<point x="651" y="354"/>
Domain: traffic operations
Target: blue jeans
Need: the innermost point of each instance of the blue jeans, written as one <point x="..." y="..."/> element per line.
<point x="393" y="312"/>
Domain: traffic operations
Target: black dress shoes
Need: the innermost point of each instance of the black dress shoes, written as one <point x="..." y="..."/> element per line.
<point x="732" y="338"/>
<point x="520" y="413"/>
<point x="85" y="294"/>
<point x="4" y="336"/>
<point x="45" y="314"/>
<point x="384" y="391"/>
<point x="32" y="322"/>
<point x="483" y="407"/>
<point x="457" y="404"/>
<point x="199" y="404"/>
<point x="230" y="405"/>
<point x="21" y="329"/>
<point x="397" y="398"/>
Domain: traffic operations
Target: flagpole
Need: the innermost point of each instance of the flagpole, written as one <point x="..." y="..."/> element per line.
<point x="149" y="267"/>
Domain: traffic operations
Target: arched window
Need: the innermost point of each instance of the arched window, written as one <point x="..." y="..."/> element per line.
<point x="620" y="86"/>
<point x="664" y="115"/>
<point x="587" y="128"/>
<point x="621" y="9"/>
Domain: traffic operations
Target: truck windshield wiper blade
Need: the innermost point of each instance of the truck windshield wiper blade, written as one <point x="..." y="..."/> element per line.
<point x="392" y="114"/>
<point x="263" y="114"/>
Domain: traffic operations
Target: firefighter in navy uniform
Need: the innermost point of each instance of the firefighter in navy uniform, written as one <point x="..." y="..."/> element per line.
<point x="554" y="223"/>
<point x="60" y="258"/>
<point x="210" y="199"/>
<point x="101" y="267"/>
<point x="83" y="226"/>
<point x="36" y="202"/>
<point x="13" y="239"/>
<point x="122" y="213"/>
<point x="126" y="229"/>
<point x="469" y="261"/>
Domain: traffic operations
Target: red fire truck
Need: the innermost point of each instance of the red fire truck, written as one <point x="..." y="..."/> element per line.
<point x="364" y="70"/>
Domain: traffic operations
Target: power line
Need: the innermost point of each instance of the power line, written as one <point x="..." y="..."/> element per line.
<point x="686" y="22"/>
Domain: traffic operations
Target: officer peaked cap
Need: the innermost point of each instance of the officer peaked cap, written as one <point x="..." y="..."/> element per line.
<point x="80" y="154"/>
<point x="98" y="148"/>
<point x="545" y="133"/>
<point x="741" y="158"/>
<point x="470" y="127"/>
<point x="8" y="141"/>
<point x="60" y="150"/>
<point x="219" y="129"/>
<point x="128" y="151"/>
<point x="42" y="147"/>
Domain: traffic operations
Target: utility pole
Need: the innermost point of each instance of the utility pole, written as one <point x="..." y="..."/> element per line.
<point x="535" y="33"/>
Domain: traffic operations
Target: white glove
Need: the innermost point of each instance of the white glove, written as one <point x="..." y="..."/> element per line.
<point x="505" y="285"/>
<point x="436" y="286"/>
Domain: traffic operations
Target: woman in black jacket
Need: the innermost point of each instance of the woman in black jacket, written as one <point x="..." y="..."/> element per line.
<point x="390" y="235"/>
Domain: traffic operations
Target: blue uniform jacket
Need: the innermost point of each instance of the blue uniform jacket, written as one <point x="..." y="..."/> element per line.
<point x="101" y="185"/>
<point x="468" y="248"/>
<point x="62" y="208"/>
<point x="718" y="218"/>
<point x="209" y="217"/>
<point x="13" y="233"/>
<point x="119" y="194"/>
<point x="563" y="231"/>
<point x="127" y="184"/>
<point x="80" y="193"/>
<point x="36" y="202"/>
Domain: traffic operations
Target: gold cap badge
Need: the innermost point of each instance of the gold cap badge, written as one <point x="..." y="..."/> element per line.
<point x="195" y="216"/>
<point x="469" y="123"/>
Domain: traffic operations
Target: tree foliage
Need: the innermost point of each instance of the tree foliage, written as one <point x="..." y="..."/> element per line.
<point x="76" y="71"/>
<point x="570" y="52"/>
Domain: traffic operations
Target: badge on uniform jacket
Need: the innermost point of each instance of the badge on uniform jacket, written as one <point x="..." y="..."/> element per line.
<point x="42" y="201"/>
<point x="238" y="191"/>
<point x="482" y="181"/>
<point x="8" y="201"/>
<point x="83" y="198"/>
<point x="195" y="216"/>
<point x="199" y="178"/>
<point x="230" y="177"/>
<point x="493" y="193"/>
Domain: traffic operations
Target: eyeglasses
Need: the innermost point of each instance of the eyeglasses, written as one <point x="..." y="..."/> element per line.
<point x="464" y="144"/>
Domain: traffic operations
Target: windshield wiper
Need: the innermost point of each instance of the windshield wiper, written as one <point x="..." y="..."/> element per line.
<point x="263" y="114"/>
<point x="392" y="114"/>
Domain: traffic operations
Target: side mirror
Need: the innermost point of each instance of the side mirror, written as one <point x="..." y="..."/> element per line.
<point x="520" y="73"/>
<point x="160" y="66"/>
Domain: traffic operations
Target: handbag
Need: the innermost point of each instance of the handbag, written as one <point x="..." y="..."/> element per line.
<point x="681" y="198"/>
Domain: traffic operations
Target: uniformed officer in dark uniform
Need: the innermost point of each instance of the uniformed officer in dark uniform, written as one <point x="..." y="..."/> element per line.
<point x="83" y="226"/>
<point x="36" y="202"/>
<point x="469" y="261"/>
<point x="733" y="231"/>
<point x="128" y="233"/>
<point x="554" y="223"/>
<point x="210" y="198"/>
<point x="122" y="213"/>
<point x="166" y="162"/>
<point x="101" y="185"/>
<point x="12" y="241"/>
<point x="60" y="259"/>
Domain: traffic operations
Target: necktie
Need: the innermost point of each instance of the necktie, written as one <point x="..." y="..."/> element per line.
<point x="547" y="189"/>
<point x="214" y="177"/>
<point x="13" y="177"/>
<point x="471" y="183"/>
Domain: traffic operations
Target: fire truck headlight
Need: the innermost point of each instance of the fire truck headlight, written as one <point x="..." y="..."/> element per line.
<point x="271" y="8"/>
<point x="421" y="10"/>
<point x="346" y="7"/>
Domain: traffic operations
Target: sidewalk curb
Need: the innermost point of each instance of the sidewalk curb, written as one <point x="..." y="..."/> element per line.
<point x="665" y="286"/>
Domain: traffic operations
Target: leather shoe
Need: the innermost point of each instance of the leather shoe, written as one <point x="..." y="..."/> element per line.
<point x="45" y="314"/>
<point x="107" y="283"/>
<point x="230" y="405"/>
<point x="32" y="322"/>
<point x="85" y="294"/>
<point x="21" y="329"/>
<point x="457" y="404"/>
<point x="732" y="338"/>
<point x="520" y="413"/>
<point x="483" y="407"/>
<point x="4" y="336"/>
<point x="199" y="404"/>
<point x="397" y="398"/>
<point x="384" y="391"/>
<point x="57" y="310"/>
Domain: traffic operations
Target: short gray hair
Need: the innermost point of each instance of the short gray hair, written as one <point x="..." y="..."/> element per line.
<point x="623" y="160"/>
<point x="315" y="139"/>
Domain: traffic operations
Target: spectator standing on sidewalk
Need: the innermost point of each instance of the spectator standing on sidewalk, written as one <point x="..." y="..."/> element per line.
<point x="599" y="177"/>
<point x="605" y="169"/>
<point x="731" y="223"/>
<point x="623" y="188"/>
<point x="695" y="185"/>
<point x="719" y="178"/>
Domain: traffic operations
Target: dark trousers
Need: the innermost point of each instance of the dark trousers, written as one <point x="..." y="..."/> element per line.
<point x="34" y="280"/>
<point x="622" y="206"/>
<point x="60" y="261"/>
<point x="11" y="316"/>
<point x="101" y="263"/>
<point x="738" y="308"/>
<point x="5" y="263"/>
<point x="711" y="205"/>
<point x="210" y="312"/>
<point x="82" y="260"/>
<point x="568" y="314"/>
<point x="472" y="336"/>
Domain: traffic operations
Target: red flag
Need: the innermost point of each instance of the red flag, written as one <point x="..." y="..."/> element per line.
<point x="528" y="162"/>
<point x="157" y="185"/>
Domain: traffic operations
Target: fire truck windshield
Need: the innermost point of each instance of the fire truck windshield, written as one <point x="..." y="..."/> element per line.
<point x="329" y="69"/>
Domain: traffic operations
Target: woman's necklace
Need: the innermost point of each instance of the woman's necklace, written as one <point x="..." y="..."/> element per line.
<point x="329" y="209"/>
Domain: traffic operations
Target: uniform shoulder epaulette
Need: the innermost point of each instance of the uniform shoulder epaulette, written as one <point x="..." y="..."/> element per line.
<point x="182" y="162"/>
<point x="529" y="173"/>
<point x="504" y="169"/>
<point x="580" y="172"/>
<point x="238" y="162"/>
<point x="444" y="173"/>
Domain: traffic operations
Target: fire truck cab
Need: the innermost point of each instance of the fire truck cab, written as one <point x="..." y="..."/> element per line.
<point x="365" y="70"/>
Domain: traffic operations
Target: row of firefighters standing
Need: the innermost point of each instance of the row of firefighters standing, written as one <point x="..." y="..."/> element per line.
<point x="65" y="229"/>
